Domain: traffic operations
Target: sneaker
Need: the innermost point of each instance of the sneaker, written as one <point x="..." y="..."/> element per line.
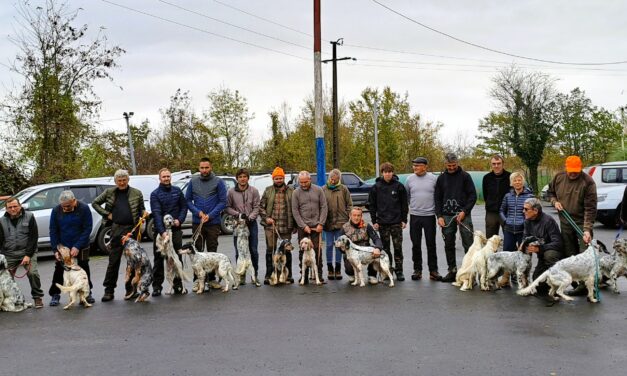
<point x="156" y="292"/>
<point x="55" y="300"/>
<point x="373" y="280"/>
<point x="107" y="297"/>
<point x="215" y="285"/>
<point x="39" y="302"/>
<point x="449" y="277"/>
<point x="400" y="277"/>
<point x="90" y="299"/>
<point x="435" y="276"/>
<point x="417" y="275"/>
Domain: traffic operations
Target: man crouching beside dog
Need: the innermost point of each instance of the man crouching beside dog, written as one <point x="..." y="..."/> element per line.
<point x="70" y="226"/>
<point x="362" y="234"/>
<point x="543" y="227"/>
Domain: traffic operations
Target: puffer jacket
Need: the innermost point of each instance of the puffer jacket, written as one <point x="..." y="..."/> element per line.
<point x="206" y="194"/>
<point x="167" y="200"/>
<point x="512" y="210"/>
<point x="135" y="201"/>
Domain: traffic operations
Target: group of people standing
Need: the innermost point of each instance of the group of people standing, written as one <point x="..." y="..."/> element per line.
<point x="425" y="202"/>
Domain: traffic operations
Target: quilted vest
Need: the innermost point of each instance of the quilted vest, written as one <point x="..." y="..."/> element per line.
<point x="15" y="237"/>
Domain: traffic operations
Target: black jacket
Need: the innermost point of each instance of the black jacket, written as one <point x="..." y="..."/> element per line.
<point x="387" y="202"/>
<point x="495" y="187"/>
<point x="454" y="192"/>
<point x="545" y="228"/>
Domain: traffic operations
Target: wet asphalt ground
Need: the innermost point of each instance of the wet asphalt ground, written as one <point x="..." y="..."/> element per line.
<point x="415" y="328"/>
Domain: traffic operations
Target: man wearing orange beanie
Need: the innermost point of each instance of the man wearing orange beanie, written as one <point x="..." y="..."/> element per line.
<point x="576" y="193"/>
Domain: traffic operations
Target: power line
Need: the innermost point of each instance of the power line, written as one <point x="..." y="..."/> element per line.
<point x="204" y="31"/>
<point x="488" y="48"/>
<point x="233" y="25"/>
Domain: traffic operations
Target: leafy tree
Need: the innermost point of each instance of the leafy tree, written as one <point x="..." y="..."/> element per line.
<point x="52" y="109"/>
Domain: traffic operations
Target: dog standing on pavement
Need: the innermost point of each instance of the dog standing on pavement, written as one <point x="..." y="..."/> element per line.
<point x="279" y="262"/>
<point x="11" y="297"/>
<point x="173" y="265"/>
<point x="75" y="281"/>
<point x="308" y="261"/>
<point x="465" y="276"/>
<point x="204" y="263"/>
<point x="137" y="260"/>
<point x="480" y="261"/>
<point x="615" y="265"/>
<point x="359" y="256"/>
<point x="517" y="263"/>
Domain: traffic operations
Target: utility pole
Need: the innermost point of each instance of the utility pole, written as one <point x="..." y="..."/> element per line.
<point x="622" y="137"/>
<point x="375" y="117"/>
<point x="318" y="124"/>
<point x="130" y="141"/>
<point x="336" y="141"/>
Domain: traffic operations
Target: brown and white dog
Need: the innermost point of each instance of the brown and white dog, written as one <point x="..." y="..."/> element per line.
<point x="308" y="261"/>
<point x="465" y="274"/>
<point x="279" y="262"/>
<point x="75" y="281"/>
<point x="11" y="297"/>
<point x="137" y="260"/>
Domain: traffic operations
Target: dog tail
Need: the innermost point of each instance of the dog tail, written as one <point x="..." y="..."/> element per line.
<point x="68" y="288"/>
<point x="531" y="289"/>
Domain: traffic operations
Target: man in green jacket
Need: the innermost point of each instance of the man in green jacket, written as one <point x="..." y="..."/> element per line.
<point x="124" y="207"/>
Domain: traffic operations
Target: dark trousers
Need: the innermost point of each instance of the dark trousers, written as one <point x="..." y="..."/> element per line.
<point x="546" y="259"/>
<point x="450" y="233"/>
<point x="510" y="240"/>
<point x="572" y="242"/>
<point x="315" y="238"/>
<point x="32" y="273"/>
<point x="158" y="275"/>
<point x="418" y="224"/>
<point x="115" y="257"/>
<point x="253" y="244"/>
<point x="271" y="243"/>
<point x="395" y="234"/>
<point x="208" y="238"/>
<point x="82" y="259"/>
<point x="493" y="223"/>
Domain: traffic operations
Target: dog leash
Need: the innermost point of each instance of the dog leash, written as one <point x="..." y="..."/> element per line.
<point x="619" y="232"/>
<point x="13" y="271"/>
<point x="571" y="222"/>
<point x="138" y="228"/>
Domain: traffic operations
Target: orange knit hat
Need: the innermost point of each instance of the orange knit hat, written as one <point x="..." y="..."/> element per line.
<point x="278" y="172"/>
<point x="573" y="164"/>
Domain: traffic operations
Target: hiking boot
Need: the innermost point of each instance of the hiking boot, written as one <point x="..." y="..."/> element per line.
<point x="107" y="297"/>
<point x="417" y="275"/>
<point x="399" y="276"/>
<point x="373" y="280"/>
<point x="449" y="277"/>
<point x="435" y="276"/>
<point x="90" y="299"/>
<point x="156" y="292"/>
<point x="54" y="301"/>
<point x="581" y="290"/>
<point x="39" y="302"/>
<point x="331" y="272"/>
<point x="215" y="285"/>
<point x="338" y="274"/>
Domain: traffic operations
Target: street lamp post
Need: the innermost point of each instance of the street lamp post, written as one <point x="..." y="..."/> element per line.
<point x="375" y="116"/>
<point x="130" y="141"/>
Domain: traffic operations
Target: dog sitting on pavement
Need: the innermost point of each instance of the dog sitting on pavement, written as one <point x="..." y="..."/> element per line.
<point x="359" y="256"/>
<point x="173" y="265"/>
<point x="308" y="261"/>
<point x="480" y="261"/>
<point x="517" y="263"/>
<point x="11" y="297"/>
<point x="137" y="260"/>
<point x="279" y="262"/>
<point x="204" y="263"/>
<point x="614" y="265"/>
<point x="465" y="274"/>
<point x="75" y="280"/>
<point x="578" y="268"/>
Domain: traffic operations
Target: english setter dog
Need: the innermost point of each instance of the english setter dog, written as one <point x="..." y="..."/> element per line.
<point x="308" y="261"/>
<point x="465" y="274"/>
<point x="244" y="261"/>
<point x="208" y="262"/>
<point x="173" y="265"/>
<point x="578" y="268"/>
<point x="359" y="256"/>
<point x="137" y="260"/>
<point x="279" y="262"/>
<point x="615" y="265"/>
<point x="480" y="261"/>
<point x="75" y="281"/>
<point x="11" y="297"/>
<point x="517" y="263"/>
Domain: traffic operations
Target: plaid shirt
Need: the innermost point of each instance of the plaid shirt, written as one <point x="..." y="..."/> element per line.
<point x="279" y="211"/>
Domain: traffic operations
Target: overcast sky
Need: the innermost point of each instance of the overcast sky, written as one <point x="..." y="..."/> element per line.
<point x="452" y="89"/>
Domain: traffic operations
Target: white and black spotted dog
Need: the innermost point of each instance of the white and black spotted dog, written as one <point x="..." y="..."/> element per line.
<point x="11" y="297"/>
<point x="173" y="265"/>
<point x="359" y="256"/>
<point x="137" y="260"/>
<point x="244" y="261"/>
<point x="75" y="280"/>
<point x="578" y="268"/>
<point x="517" y="263"/>
<point x="308" y="261"/>
<point x="279" y="262"/>
<point x="208" y="262"/>
<point x="614" y="265"/>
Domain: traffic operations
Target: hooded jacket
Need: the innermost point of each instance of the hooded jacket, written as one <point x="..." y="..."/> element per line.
<point x="454" y="193"/>
<point x="387" y="202"/>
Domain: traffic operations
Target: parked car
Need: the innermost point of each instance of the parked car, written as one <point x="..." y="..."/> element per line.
<point x="358" y="189"/>
<point x="611" y="179"/>
<point x="224" y="225"/>
<point x="41" y="199"/>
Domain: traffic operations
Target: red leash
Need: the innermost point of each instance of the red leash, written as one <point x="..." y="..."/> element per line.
<point x="13" y="271"/>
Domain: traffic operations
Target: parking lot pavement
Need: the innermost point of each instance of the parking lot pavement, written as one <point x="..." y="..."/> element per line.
<point x="421" y="328"/>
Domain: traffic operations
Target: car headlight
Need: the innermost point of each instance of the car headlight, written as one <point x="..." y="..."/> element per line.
<point x="601" y="197"/>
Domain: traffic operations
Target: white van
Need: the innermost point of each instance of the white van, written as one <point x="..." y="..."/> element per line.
<point x="611" y="179"/>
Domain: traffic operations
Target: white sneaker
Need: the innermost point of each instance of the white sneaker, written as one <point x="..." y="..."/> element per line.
<point x="373" y="280"/>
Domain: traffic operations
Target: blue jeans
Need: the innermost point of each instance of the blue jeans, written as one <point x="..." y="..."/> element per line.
<point x="331" y="237"/>
<point x="253" y="241"/>
<point x="510" y="239"/>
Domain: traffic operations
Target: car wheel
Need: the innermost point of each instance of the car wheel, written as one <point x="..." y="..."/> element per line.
<point x="103" y="239"/>
<point x="150" y="229"/>
<point x="224" y="226"/>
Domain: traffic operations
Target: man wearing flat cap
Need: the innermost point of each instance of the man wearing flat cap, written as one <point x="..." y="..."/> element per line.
<point x="420" y="189"/>
<point x="576" y="193"/>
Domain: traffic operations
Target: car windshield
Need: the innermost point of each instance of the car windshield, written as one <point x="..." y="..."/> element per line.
<point x="19" y="196"/>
